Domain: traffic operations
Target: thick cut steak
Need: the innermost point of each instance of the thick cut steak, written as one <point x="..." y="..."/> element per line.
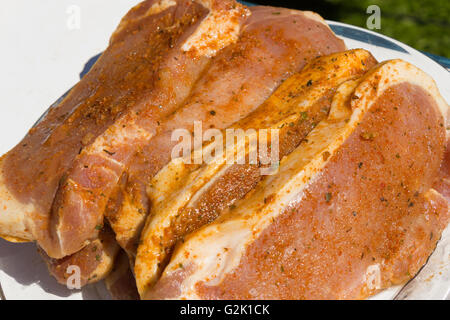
<point x="197" y="197"/>
<point x="352" y="210"/>
<point x="354" y="201"/>
<point x="83" y="193"/>
<point x="240" y="78"/>
<point x="51" y="182"/>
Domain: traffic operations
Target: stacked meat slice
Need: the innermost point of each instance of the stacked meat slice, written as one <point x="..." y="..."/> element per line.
<point x="238" y="80"/>
<point x="202" y="194"/>
<point x="354" y="204"/>
<point x="169" y="63"/>
<point x="351" y="210"/>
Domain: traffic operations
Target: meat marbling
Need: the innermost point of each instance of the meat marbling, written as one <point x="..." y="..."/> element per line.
<point x="239" y="79"/>
<point x="351" y="210"/>
<point x="157" y="54"/>
<point x="48" y="179"/>
<point x="294" y="109"/>
<point x="358" y="202"/>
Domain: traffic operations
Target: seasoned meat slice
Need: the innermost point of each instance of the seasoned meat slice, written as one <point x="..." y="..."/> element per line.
<point x="240" y="78"/>
<point x="199" y="196"/>
<point x="351" y="211"/>
<point x="65" y="150"/>
<point x="89" y="265"/>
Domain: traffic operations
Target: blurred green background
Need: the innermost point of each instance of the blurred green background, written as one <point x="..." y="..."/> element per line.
<point x="424" y="25"/>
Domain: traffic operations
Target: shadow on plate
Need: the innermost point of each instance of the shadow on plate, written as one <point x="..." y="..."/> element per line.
<point x="23" y="263"/>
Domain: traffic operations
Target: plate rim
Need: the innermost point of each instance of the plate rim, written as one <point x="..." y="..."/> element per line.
<point x="410" y="50"/>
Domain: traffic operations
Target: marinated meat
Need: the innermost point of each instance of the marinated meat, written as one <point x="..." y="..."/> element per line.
<point x="350" y="212"/>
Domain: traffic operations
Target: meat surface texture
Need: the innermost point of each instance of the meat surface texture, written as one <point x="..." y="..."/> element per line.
<point x="355" y="202"/>
<point x="238" y="80"/>
<point x="295" y="108"/>
<point x="83" y="193"/>
<point x="351" y="210"/>
<point x="169" y="63"/>
<point x="51" y="183"/>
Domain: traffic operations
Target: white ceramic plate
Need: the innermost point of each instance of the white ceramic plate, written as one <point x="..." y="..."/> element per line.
<point x="23" y="274"/>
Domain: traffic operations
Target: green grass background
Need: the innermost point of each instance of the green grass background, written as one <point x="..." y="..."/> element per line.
<point x="422" y="24"/>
